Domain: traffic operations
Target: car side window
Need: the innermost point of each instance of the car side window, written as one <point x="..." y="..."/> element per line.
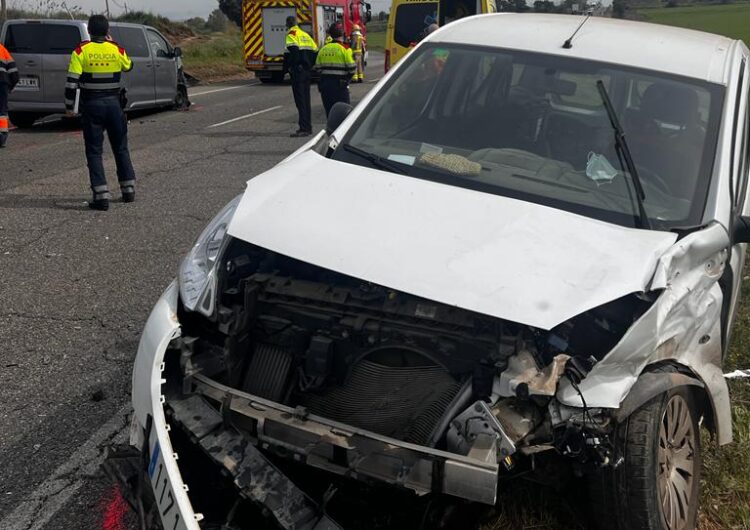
<point x="159" y="46"/>
<point x="132" y="39"/>
<point x="24" y="38"/>
<point x="61" y="39"/>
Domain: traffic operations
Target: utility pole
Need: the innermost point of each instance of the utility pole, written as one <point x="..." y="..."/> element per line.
<point x="3" y="11"/>
<point x="106" y="3"/>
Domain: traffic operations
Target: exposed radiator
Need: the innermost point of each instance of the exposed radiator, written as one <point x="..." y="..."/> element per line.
<point x="268" y="373"/>
<point x="402" y="402"/>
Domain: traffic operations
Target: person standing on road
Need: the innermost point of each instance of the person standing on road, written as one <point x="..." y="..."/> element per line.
<point x="299" y="60"/>
<point x="358" y="50"/>
<point x="8" y="81"/>
<point x="95" y="70"/>
<point x="336" y="66"/>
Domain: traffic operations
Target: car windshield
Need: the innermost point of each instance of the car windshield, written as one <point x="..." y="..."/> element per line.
<point x="534" y="127"/>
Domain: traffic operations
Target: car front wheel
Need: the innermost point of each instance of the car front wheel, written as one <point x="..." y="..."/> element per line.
<point x="657" y="484"/>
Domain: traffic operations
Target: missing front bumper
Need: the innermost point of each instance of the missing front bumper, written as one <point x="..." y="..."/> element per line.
<point x="334" y="447"/>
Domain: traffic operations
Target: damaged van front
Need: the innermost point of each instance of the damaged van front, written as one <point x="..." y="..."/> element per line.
<point x="471" y="272"/>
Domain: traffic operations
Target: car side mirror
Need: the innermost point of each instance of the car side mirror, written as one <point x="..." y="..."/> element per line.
<point x="336" y="117"/>
<point x="177" y="52"/>
<point x="741" y="230"/>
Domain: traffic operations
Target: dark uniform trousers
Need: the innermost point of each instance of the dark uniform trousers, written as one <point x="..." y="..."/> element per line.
<point x="333" y="89"/>
<point x="301" y="91"/>
<point x="99" y="114"/>
<point x="4" y="89"/>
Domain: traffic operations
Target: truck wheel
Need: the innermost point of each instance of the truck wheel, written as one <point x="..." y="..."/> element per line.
<point x="657" y="485"/>
<point x="23" y="120"/>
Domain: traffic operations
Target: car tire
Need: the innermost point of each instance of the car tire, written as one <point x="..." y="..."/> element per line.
<point x="657" y="484"/>
<point x="181" y="100"/>
<point x="23" y="120"/>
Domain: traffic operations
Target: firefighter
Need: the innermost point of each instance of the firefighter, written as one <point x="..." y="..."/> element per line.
<point x="336" y="66"/>
<point x="299" y="60"/>
<point x="95" y="69"/>
<point x="358" y="50"/>
<point x="8" y="80"/>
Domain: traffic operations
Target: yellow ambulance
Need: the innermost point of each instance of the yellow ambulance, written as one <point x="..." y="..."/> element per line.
<point x="409" y="20"/>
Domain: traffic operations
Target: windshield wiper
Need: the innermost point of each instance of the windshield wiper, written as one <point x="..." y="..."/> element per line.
<point x="623" y="154"/>
<point x="375" y="160"/>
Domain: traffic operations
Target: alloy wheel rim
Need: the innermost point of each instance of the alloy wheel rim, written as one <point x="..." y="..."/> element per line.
<point x="676" y="470"/>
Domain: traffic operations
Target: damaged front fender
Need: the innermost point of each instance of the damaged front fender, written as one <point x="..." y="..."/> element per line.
<point x="682" y="326"/>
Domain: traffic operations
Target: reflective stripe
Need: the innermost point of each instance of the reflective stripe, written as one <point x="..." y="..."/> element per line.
<point x="337" y="73"/>
<point x="69" y="103"/>
<point x="127" y="183"/>
<point x="101" y="189"/>
<point x="100" y="86"/>
<point x="102" y="195"/>
<point x="71" y="85"/>
<point x="73" y="75"/>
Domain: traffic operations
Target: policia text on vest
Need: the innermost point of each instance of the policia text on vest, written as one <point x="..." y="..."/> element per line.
<point x="95" y="70"/>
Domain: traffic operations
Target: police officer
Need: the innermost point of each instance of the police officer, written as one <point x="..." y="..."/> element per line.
<point x="95" y="69"/>
<point x="336" y="66"/>
<point x="8" y="80"/>
<point x="299" y="60"/>
<point x="358" y="50"/>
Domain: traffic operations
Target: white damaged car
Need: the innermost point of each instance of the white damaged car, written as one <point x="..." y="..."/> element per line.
<point x="524" y="246"/>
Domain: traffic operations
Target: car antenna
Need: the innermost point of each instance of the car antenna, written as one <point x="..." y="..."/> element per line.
<point x="568" y="44"/>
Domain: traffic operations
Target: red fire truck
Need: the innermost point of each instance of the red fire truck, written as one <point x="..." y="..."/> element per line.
<point x="264" y="28"/>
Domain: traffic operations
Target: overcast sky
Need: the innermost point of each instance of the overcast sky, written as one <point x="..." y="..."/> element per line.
<point x="176" y="9"/>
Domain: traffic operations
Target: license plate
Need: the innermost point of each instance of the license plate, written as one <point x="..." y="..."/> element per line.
<point x="163" y="492"/>
<point x="28" y="83"/>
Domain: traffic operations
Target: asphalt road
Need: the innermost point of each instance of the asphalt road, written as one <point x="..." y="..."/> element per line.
<point x="77" y="286"/>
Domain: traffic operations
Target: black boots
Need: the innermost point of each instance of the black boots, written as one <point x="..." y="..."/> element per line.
<point x="101" y="205"/>
<point x="3" y="139"/>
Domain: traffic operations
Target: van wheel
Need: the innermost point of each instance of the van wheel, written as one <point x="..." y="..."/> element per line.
<point x="23" y="120"/>
<point x="657" y="485"/>
<point x="181" y="100"/>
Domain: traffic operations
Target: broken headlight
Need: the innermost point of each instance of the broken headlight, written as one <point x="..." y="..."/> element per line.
<point x="197" y="272"/>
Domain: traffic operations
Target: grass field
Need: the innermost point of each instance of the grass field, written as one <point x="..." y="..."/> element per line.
<point x="376" y="40"/>
<point x="732" y="20"/>
<point x="214" y="57"/>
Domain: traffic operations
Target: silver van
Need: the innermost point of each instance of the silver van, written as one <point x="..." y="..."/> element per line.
<point x="42" y="51"/>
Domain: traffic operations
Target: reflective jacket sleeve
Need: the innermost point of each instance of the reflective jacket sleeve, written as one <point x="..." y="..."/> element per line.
<point x="8" y="69"/>
<point x="125" y="62"/>
<point x="351" y="66"/>
<point x="75" y="69"/>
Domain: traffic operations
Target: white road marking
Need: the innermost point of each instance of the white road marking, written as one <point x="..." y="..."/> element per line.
<point x="41" y="505"/>
<point x="244" y="117"/>
<point x="221" y="90"/>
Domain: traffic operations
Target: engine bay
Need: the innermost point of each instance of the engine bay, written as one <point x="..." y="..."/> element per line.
<point x="313" y="350"/>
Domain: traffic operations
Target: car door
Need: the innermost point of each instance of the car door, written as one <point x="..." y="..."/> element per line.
<point x="61" y="40"/>
<point x="24" y="41"/>
<point x="140" y="80"/>
<point x="165" y="67"/>
<point x="731" y="281"/>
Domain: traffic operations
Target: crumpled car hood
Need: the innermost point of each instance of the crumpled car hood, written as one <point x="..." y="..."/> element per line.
<point x="499" y="256"/>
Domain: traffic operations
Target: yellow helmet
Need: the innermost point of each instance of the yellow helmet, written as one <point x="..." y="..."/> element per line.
<point x="356" y="27"/>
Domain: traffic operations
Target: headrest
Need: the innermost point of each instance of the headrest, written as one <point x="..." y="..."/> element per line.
<point x="670" y="103"/>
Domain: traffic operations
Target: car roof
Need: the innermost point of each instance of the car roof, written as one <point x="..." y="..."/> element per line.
<point x="65" y="22"/>
<point x="78" y="23"/>
<point x="655" y="47"/>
